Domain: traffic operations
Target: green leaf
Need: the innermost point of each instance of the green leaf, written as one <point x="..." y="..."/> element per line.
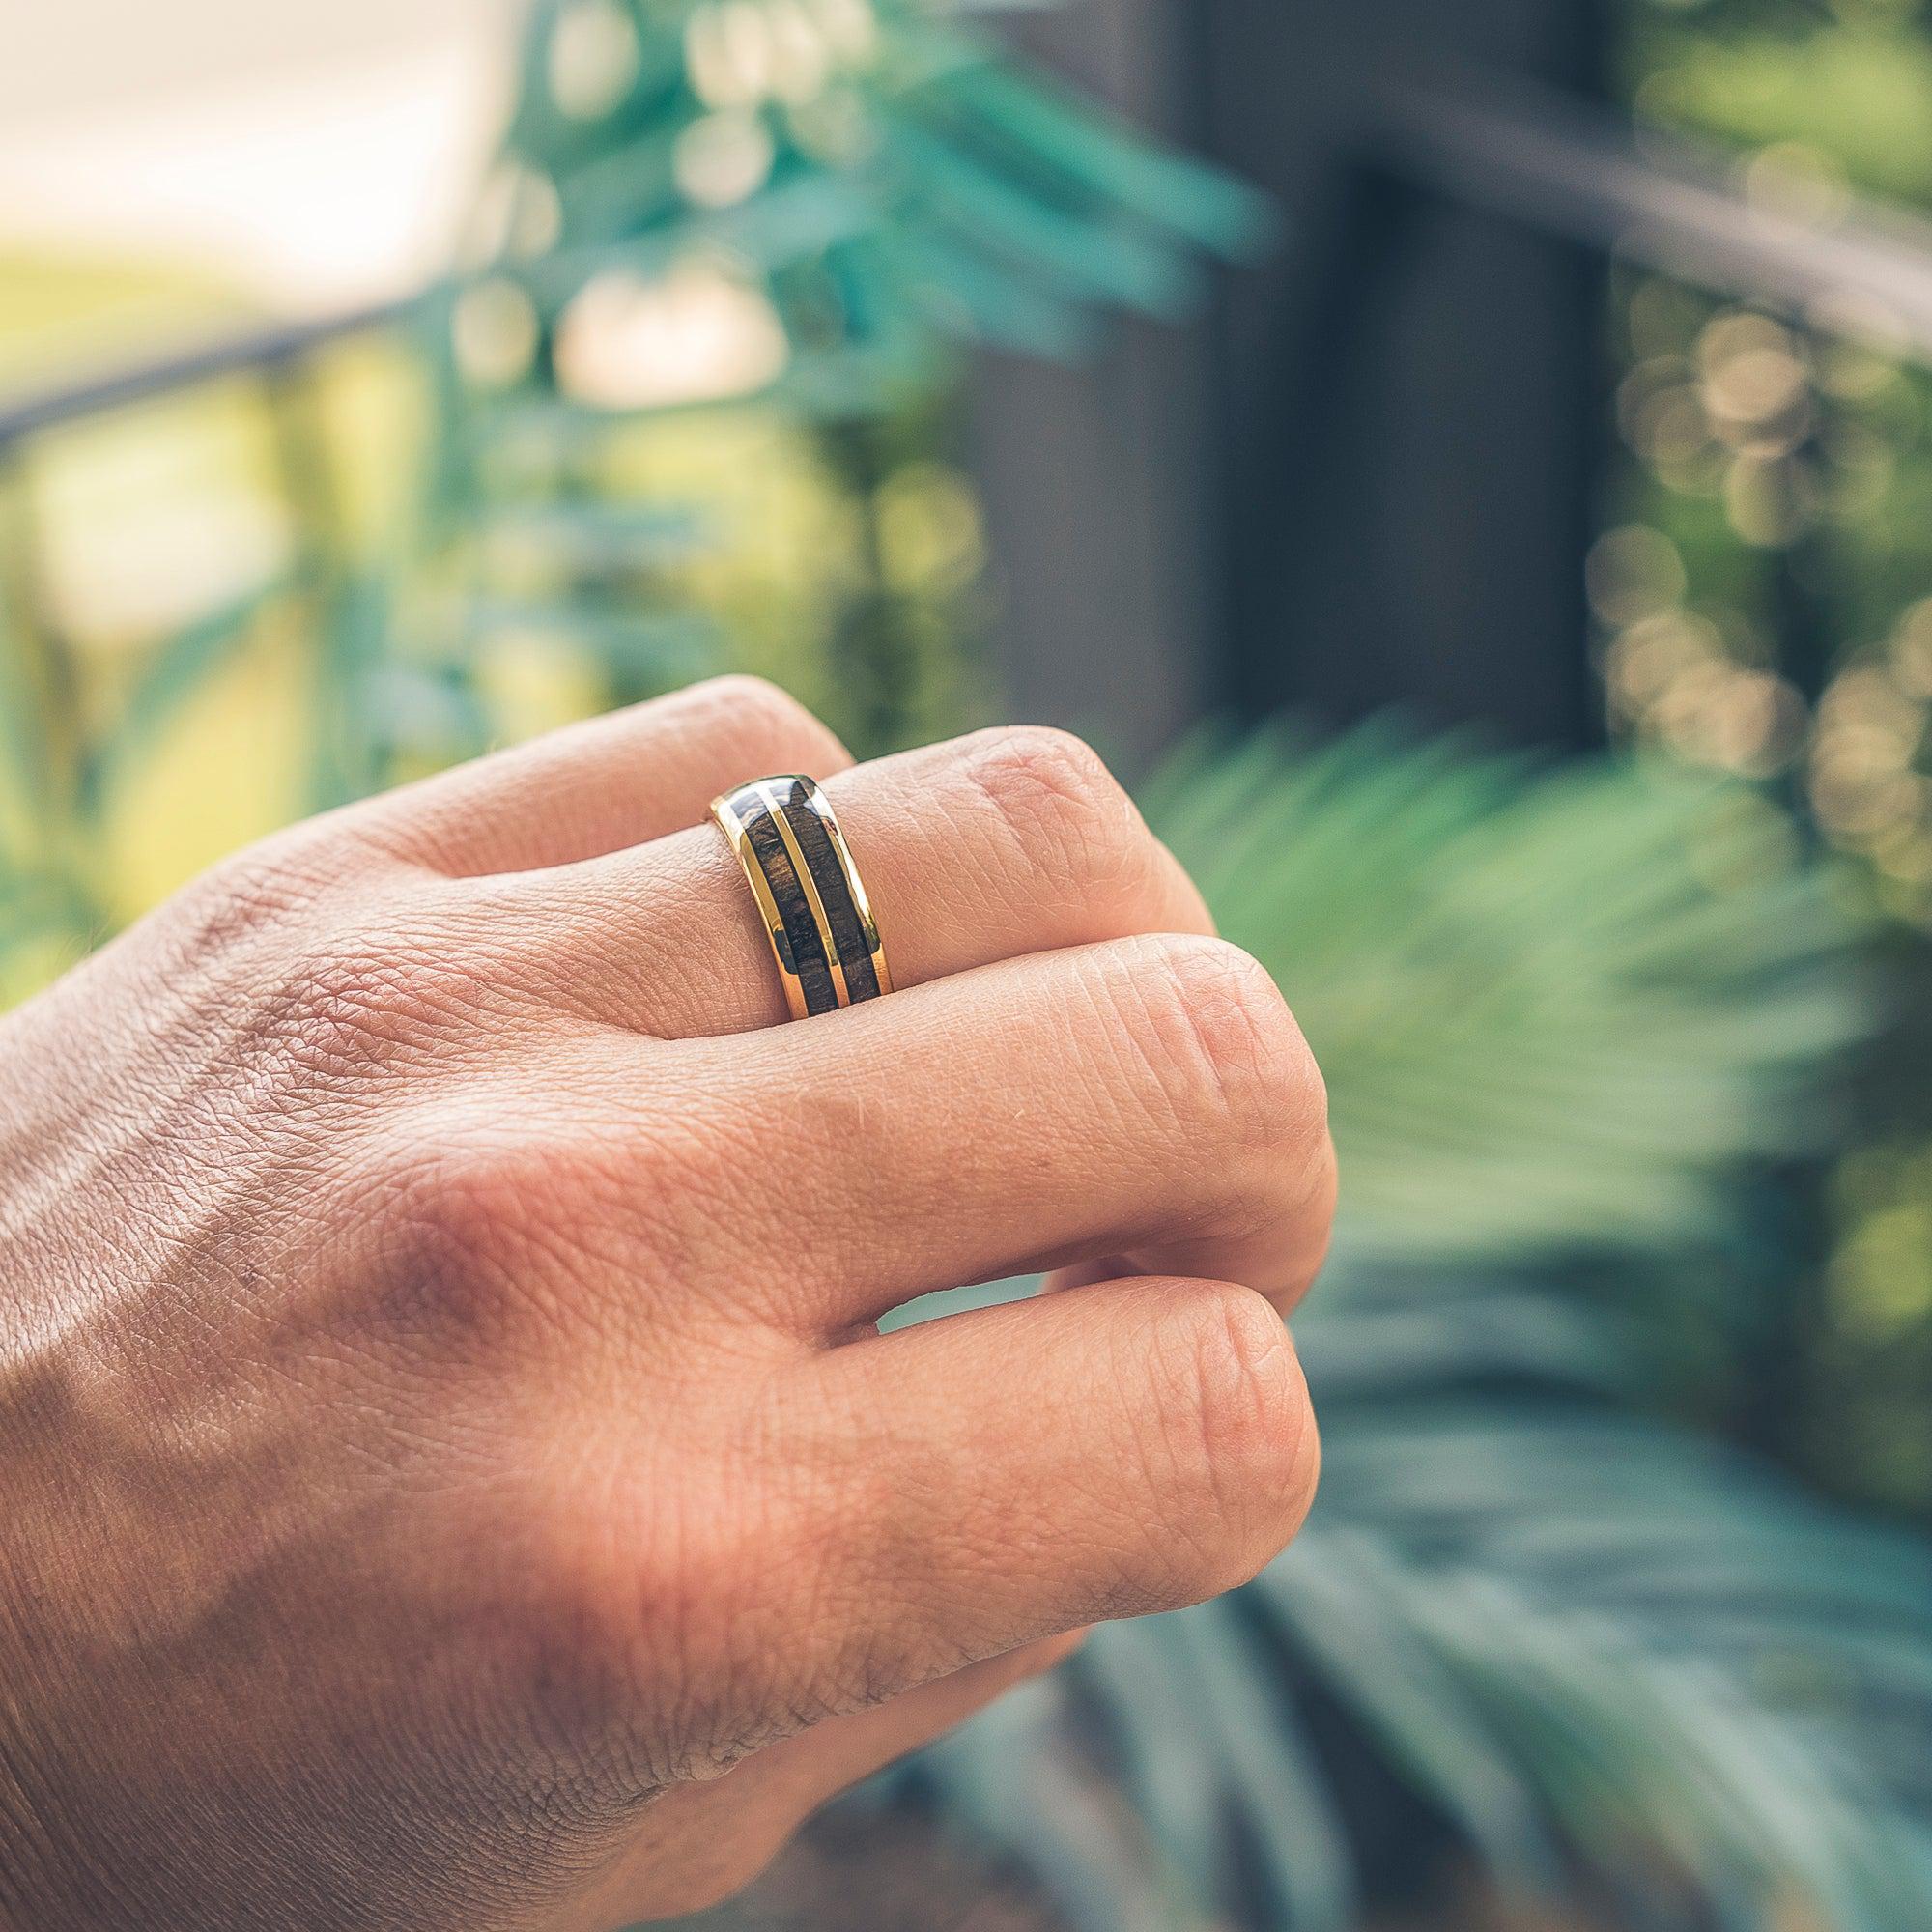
<point x="1539" y="1021"/>
<point x="179" y="666"/>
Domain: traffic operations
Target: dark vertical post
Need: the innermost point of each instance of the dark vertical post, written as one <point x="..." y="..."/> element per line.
<point x="1096" y="480"/>
<point x="1370" y="481"/>
<point x="1410" y="400"/>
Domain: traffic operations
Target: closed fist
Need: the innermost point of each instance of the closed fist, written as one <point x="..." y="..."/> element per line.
<point x="452" y="1474"/>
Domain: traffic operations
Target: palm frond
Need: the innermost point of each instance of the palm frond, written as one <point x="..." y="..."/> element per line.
<point x="1552" y="1008"/>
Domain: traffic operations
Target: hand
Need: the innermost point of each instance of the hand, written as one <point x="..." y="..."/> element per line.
<point x="452" y="1476"/>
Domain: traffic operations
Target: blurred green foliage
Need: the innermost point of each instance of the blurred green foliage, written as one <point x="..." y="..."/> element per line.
<point x="1852" y="84"/>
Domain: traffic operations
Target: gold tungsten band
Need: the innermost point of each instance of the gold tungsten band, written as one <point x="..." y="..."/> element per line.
<point x="808" y="892"/>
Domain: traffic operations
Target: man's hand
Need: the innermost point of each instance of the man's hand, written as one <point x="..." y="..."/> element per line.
<point x="451" y="1476"/>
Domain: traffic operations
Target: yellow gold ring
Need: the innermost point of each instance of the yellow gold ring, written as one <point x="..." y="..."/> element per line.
<point x="810" y="895"/>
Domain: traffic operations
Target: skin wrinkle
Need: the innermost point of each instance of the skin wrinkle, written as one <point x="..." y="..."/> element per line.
<point x="1064" y="804"/>
<point x="452" y="1478"/>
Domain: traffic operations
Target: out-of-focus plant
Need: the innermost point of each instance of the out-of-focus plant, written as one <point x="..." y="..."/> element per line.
<point x="815" y="201"/>
<point x="1542" y="1622"/>
<point x="1762" y="609"/>
<point x="769" y="226"/>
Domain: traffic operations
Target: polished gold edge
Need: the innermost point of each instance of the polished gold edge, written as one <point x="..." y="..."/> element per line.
<point x="765" y="791"/>
<point x="768" y="790"/>
<point x="868" y="926"/>
<point x="724" y="810"/>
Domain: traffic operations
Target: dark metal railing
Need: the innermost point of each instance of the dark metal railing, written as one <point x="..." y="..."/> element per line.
<point x="1508" y="149"/>
<point x="246" y="352"/>
<point x="1582" y="174"/>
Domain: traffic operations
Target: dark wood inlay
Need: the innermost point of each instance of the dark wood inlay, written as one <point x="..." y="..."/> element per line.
<point x="808" y="951"/>
<point x="840" y="912"/>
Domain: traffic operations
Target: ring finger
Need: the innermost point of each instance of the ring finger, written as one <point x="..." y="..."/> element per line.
<point x="1005" y="844"/>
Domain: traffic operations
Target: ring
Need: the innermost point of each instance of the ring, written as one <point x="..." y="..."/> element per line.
<point x="810" y="895"/>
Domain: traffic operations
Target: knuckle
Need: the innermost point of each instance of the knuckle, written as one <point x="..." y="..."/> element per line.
<point x="863" y="1546"/>
<point x="1227" y="1051"/>
<point x="644" y="1620"/>
<point x="461" y="1226"/>
<point x="770" y="724"/>
<point x="271" y="886"/>
<point x="1244" y="1433"/>
<point x="259" y="891"/>
<point x="511" y="1236"/>
<point x="1057" y="804"/>
<point x="349" y="1000"/>
<point x="740" y="1596"/>
<point x="554" y="1653"/>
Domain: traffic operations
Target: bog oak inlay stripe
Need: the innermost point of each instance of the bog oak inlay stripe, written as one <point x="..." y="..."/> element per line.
<point x="809" y="956"/>
<point x="815" y="844"/>
<point x="813" y="890"/>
